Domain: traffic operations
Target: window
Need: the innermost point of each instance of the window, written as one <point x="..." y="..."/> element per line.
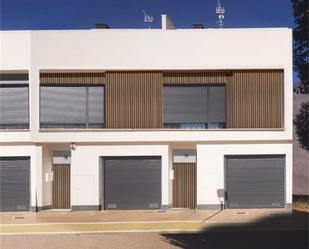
<point x="71" y="106"/>
<point x="194" y="106"/>
<point x="14" y="101"/>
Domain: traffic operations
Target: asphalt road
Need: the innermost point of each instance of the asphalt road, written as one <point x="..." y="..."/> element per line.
<point x="297" y="239"/>
<point x="282" y="231"/>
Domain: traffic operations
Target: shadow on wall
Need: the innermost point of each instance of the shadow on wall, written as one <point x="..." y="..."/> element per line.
<point x="284" y="231"/>
<point x="300" y="155"/>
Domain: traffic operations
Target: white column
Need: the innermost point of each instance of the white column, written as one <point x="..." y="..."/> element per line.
<point x="36" y="178"/>
<point x="34" y="101"/>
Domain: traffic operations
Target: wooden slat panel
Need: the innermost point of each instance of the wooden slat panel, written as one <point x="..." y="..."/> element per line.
<point x="184" y="185"/>
<point x="255" y="99"/>
<point x="133" y="100"/>
<point x="72" y="78"/>
<point x="61" y="186"/>
<point x="195" y="77"/>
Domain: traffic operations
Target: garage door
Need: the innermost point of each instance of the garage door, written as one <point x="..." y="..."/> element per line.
<point x="255" y="181"/>
<point x="132" y="183"/>
<point x="14" y="183"/>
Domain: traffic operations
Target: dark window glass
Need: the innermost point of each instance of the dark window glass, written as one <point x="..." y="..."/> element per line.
<point x="215" y="125"/>
<point x="192" y="126"/>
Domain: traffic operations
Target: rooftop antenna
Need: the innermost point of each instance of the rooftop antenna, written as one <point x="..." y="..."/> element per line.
<point x="220" y="11"/>
<point x="147" y="19"/>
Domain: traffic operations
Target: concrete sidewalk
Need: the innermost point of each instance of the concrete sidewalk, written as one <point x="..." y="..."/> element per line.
<point x="149" y="221"/>
<point x="104" y="216"/>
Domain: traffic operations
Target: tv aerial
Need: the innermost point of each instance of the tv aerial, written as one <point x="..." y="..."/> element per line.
<point x="220" y="12"/>
<point x="147" y="19"/>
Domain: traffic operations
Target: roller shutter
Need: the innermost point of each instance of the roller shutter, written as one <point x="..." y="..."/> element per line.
<point x="132" y="183"/>
<point x="255" y="181"/>
<point x="14" y="101"/>
<point x="216" y="104"/>
<point x="72" y="106"/>
<point x="194" y="104"/>
<point x="185" y="104"/>
<point x="14" y="183"/>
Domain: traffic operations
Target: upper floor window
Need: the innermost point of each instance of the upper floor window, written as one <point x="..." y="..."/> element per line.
<point x="14" y="101"/>
<point x="71" y="106"/>
<point x="194" y="106"/>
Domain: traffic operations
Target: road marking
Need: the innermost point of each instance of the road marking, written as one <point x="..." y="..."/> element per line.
<point x="102" y="222"/>
<point x="99" y="227"/>
<point x="116" y="231"/>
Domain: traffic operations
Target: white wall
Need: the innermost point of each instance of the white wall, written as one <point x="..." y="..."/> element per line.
<point x="15" y="49"/>
<point x="85" y="178"/>
<point x="35" y="154"/>
<point x="162" y="136"/>
<point x="210" y="167"/>
<point x="135" y="49"/>
<point x="131" y="49"/>
<point x="47" y="168"/>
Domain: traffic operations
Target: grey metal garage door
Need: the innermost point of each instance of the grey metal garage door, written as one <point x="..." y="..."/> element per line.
<point x="255" y="181"/>
<point x="132" y="183"/>
<point x="14" y="183"/>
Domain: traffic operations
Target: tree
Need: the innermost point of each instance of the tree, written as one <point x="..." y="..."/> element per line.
<point x="301" y="123"/>
<point x="300" y="34"/>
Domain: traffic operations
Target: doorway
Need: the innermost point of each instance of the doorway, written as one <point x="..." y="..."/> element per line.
<point x="184" y="183"/>
<point x="61" y="186"/>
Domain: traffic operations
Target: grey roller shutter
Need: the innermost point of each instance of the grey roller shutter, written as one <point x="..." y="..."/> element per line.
<point x="96" y="107"/>
<point x="63" y="107"/>
<point x="185" y="104"/>
<point x="216" y="104"/>
<point x="14" y="107"/>
<point x="14" y="101"/>
<point x="14" y="183"/>
<point x="132" y="183"/>
<point x="255" y="181"/>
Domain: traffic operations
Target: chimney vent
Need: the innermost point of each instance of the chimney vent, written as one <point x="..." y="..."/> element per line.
<point x="102" y="26"/>
<point x="197" y="26"/>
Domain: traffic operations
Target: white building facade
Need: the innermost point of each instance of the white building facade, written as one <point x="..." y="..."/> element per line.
<point x="158" y="146"/>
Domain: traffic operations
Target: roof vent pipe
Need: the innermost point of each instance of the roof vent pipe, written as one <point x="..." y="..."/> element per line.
<point x="197" y="26"/>
<point x="102" y="26"/>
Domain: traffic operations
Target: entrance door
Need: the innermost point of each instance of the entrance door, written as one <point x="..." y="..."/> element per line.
<point x="184" y="185"/>
<point x="61" y="186"/>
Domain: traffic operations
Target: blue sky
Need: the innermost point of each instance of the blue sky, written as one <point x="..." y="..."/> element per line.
<point x="83" y="14"/>
<point x="75" y="14"/>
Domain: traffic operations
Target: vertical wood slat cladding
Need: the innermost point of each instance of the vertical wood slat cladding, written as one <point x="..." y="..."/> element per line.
<point x="133" y="100"/>
<point x="184" y="185"/>
<point x="195" y="77"/>
<point x="61" y="186"/>
<point x="72" y="78"/>
<point x="255" y="99"/>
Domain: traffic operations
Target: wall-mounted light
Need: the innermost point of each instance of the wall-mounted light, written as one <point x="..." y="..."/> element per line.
<point x="72" y="146"/>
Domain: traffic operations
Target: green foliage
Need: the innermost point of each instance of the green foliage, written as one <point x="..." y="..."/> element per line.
<point x="300" y="35"/>
<point x="302" y="125"/>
